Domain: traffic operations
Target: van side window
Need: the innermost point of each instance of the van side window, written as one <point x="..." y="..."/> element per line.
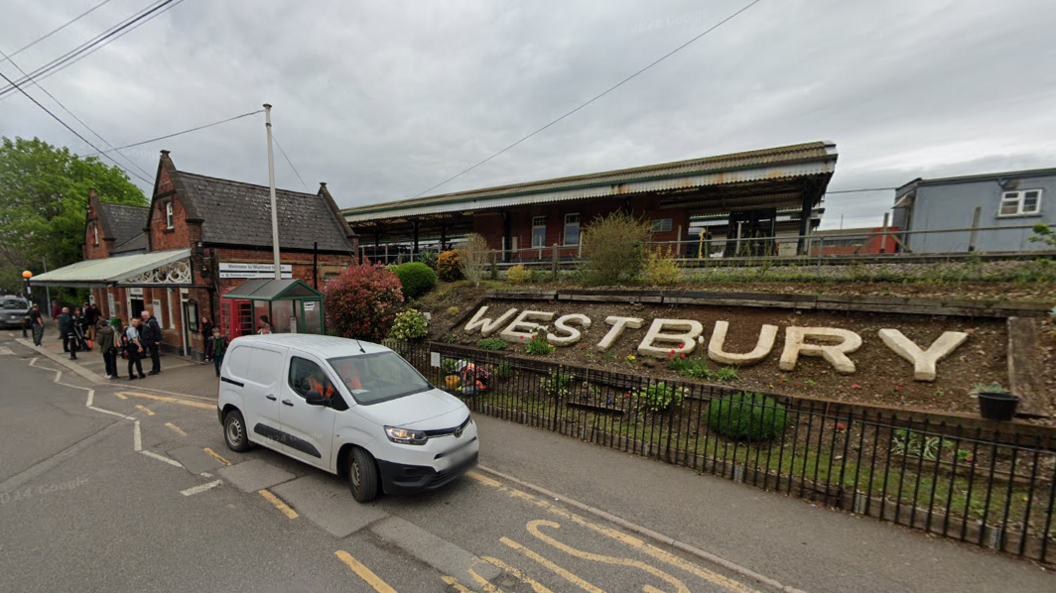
<point x="305" y="375"/>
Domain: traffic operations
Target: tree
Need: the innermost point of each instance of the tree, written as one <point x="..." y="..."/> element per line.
<point x="473" y="258"/>
<point x="43" y="199"/>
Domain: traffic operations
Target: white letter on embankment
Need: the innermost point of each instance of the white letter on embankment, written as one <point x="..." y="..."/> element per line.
<point x="618" y="324"/>
<point x="486" y="325"/>
<point x="767" y="337"/>
<point x="522" y="328"/>
<point x="924" y="361"/>
<point x="846" y="342"/>
<point x="573" y="334"/>
<point x="688" y="338"/>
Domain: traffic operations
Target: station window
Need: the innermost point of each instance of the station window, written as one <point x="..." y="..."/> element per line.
<point x="661" y="225"/>
<point x="1019" y="203"/>
<point x="538" y="231"/>
<point x="572" y="229"/>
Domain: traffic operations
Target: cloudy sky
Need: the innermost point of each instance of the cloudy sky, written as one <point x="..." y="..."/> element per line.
<point x="384" y="99"/>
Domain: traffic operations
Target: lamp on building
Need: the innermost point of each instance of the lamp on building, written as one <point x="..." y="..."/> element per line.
<point x="26" y="275"/>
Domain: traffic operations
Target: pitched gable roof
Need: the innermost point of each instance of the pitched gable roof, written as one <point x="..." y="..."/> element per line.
<point x="237" y="213"/>
<point x="123" y="222"/>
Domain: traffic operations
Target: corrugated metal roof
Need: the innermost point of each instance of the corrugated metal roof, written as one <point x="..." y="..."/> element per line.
<point x="815" y="158"/>
<point x="110" y="270"/>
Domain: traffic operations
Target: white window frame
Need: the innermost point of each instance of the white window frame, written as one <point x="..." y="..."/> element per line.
<point x="95" y="234"/>
<point x="168" y="215"/>
<point x="662" y="225"/>
<point x="1018" y="197"/>
<point x="536" y="225"/>
<point x="170" y="316"/>
<point x="564" y="230"/>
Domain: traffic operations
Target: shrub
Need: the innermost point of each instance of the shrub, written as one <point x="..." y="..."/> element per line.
<point x="558" y="384"/>
<point x="518" y="274"/>
<point x="410" y="325"/>
<point x="613" y="248"/>
<point x="1043" y="234"/>
<point x="428" y="258"/>
<point x="661" y="268"/>
<point x="362" y="302"/>
<point x="727" y="374"/>
<point x="452" y="311"/>
<point x="448" y="267"/>
<point x="473" y="258"/>
<point x="538" y="344"/>
<point x="504" y="371"/>
<point x="690" y="367"/>
<point x="747" y="416"/>
<point x="416" y="278"/>
<point x="448" y="365"/>
<point x="492" y="344"/>
<point x="659" y="396"/>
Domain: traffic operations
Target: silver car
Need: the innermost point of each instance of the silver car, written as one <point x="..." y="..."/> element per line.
<point x="13" y="311"/>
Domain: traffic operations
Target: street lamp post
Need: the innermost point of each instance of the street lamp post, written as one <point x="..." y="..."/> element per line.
<point x="26" y="275"/>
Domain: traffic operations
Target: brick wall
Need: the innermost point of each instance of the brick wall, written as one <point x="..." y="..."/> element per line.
<point x="183" y="234"/>
<point x="93" y="228"/>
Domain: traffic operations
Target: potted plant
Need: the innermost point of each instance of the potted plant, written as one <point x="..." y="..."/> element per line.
<point x="995" y="402"/>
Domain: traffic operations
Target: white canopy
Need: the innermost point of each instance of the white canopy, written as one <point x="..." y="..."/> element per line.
<point x="157" y="267"/>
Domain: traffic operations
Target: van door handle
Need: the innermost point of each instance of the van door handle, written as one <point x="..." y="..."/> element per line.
<point x="287" y="402"/>
<point x="271" y="397"/>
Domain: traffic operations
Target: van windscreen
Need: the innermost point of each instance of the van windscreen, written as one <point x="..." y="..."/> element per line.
<point x="378" y="377"/>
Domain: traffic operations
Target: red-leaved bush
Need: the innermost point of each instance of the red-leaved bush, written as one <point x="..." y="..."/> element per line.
<point x="363" y="302"/>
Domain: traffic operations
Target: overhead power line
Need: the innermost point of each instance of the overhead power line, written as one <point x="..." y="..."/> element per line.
<point x="276" y="140"/>
<point x="54" y="31"/>
<point x="174" y="134"/>
<point x="72" y="114"/>
<point x="87" y="48"/>
<point x="600" y="95"/>
<point x="67" y="126"/>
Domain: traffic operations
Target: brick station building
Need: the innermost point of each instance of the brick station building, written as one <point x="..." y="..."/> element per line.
<point x="764" y="201"/>
<point x="200" y="237"/>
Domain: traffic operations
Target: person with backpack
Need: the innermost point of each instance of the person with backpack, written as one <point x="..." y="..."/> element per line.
<point x="134" y="349"/>
<point x="151" y="337"/>
<point x="66" y="330"/>
<point x="106" y="339"/>
<point x="218" y="346"/>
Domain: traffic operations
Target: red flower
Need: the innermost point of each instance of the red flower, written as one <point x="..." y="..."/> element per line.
<point x="681" y="345"/>
<point x="856" y="386"/>
<point x="841" y="427"/>
<point x="669" y="354"/>
<point x="683" y="355"/>
<point x="522" y="337"/>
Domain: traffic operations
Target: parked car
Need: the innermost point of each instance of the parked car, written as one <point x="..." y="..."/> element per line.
<point x="13" y="311"/>
<point x="354" y="409"/>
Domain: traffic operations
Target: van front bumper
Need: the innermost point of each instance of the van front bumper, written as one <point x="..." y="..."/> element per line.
<point x="399" y="478"/>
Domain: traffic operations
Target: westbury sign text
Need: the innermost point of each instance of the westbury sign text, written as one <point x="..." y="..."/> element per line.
<point x="682" y="336"/>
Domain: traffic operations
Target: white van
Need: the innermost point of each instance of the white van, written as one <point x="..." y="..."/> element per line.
<point x="352" y="408"/>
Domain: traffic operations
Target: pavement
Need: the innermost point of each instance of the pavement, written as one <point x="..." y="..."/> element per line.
<point x="127" y="486"/>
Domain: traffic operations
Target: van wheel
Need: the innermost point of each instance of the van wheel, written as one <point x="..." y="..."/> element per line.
<point x="235" y="432"/>
<point x="362" y="475"/>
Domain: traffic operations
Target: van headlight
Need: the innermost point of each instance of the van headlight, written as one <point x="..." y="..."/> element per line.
<point x="405" y="436"/>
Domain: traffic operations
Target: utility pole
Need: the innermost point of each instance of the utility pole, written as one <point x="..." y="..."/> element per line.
<point x="271" y="186"/>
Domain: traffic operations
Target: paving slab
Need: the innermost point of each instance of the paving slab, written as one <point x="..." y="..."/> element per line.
<point x="255" y="475"/>
<point x="326" y="501"/>
<point x="194" y="459"/>
<point x="439" y="553"/>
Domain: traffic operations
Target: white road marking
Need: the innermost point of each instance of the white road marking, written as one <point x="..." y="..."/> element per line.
<point x="137" y="438"/>
<point x="206" y="475"/>
<point x="91" y="398"/>
<point x="5" y="351"/>
<point x="167" y="460"/>
<point x="202" y="488"/>
<point x="111" y="413"/>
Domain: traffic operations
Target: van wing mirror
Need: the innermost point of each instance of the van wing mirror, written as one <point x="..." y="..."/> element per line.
<point x="314" y="398"/>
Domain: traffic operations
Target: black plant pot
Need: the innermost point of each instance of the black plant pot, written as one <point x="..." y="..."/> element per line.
<point x="998" y="406"/>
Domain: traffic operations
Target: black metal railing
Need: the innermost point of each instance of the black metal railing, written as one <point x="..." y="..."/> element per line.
<point x="964" y="480"/>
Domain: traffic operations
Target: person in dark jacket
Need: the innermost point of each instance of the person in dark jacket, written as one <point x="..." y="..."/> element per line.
<point x="69" y="337"/>
<point x="150" y="334"/>
<point x="91" y="317"/>
<point x="218" y="346"/>
<point x="80" y="330"/>
<point x="106" y="340"/>
<point x="37" y="323"/>
<point x="207" y="335"/>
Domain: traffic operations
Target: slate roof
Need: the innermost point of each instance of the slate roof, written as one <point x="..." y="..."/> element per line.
<point x="121" y="222"/>
<point x="134" y="245"/>
<point x="236" y="213"/>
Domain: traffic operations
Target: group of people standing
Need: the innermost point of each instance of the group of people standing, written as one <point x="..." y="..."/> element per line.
<point x="76" y="328"/>
<point x="84" y="329"/>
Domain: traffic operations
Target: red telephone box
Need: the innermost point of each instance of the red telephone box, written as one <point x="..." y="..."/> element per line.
<point x="236" y="317"/>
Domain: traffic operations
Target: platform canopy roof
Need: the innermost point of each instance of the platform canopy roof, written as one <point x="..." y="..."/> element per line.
<point x="273" y="290"/>
<point x="169" y="268"/>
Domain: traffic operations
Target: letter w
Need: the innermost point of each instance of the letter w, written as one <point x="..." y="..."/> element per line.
<point x="485" y="324"/>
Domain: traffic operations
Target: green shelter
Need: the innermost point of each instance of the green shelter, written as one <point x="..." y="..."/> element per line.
<point x="291" y="305"/>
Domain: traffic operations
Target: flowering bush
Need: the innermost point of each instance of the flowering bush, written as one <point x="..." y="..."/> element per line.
<point x="659" y="396"/>
<point x="518" y="274"/>
<point x="362" y="302"/>
<point x="416" y="278"/>
<point x="410" y="325"/>
<point x="447" y="266"/>
<point x="538" y="344"/>
<point x="660" y="268"/>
